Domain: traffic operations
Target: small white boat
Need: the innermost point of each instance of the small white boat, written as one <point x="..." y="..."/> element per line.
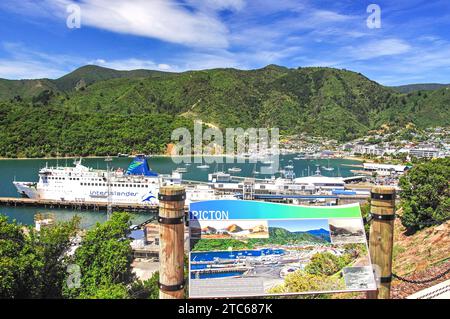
<point x="181" y="170"/>
<point x="205" y="166"/>
<point x="328" y="168"/>
<point x="234" y="170"/>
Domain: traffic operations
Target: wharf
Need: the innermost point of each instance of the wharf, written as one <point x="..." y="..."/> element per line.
<point x="102" y="206"/>
<point x="221" y="270"/>
<point x="79" y="205"/>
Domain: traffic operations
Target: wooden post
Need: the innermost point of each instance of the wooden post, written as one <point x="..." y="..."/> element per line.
<point x="171" y="242"/>
<point x="382" y="209"/>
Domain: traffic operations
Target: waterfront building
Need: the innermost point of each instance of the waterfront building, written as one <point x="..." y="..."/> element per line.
<point x="385" y="169"/>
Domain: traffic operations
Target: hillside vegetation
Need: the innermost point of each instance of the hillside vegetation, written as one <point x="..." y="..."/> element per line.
<point x="419" y="87"/>
<point x="324" y="102"/>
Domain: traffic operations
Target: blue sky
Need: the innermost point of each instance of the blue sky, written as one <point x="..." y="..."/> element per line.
<point x="300" y="225"/>
<point x="412" y="45"/>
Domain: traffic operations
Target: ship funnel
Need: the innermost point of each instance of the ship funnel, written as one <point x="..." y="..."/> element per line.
<point x="139" y="166"/>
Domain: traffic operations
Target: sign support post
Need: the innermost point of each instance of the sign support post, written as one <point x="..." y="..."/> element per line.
<point x="382" y="209"/>
<point x="171" y="244"/>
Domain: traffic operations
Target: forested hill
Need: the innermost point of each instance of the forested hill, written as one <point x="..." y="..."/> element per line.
<point x="419" y="87"/>
<point x="321" y="101"/>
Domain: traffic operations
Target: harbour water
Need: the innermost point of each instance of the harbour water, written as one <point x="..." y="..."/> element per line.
<point x="226" y="255"/>
<point x="212" y="255"/>
<point x="27" y="170"/>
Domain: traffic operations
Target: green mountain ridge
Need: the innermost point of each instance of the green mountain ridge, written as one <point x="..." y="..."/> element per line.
<point x="281" y="236"/>
<point x="79" y="78"/>
<point x="325" y="102"/>
<point x="419" y="87"/>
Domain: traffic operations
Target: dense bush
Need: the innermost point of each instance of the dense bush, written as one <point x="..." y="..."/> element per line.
<point x="426" y="194"/>
<point x="36" y="264"/>
<point x="49" y="131"/>
<point x="327" y="264"/>
<point x="32" y="264"/>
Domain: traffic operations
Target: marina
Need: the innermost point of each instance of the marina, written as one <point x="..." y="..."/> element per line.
<point x="201" y="184"/>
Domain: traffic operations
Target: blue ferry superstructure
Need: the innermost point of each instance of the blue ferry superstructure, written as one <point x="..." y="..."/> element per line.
<point x="137" y="185"/>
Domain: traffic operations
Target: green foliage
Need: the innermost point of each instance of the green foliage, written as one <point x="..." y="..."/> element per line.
<point x="419" y="87"/>
<point x="365" y="213"/>
<point x="32" y="264"/>
<point x="105" y="257"/>
<point x="301" y="281"/>
<point x="327" y="263"/>
<point x="277" y="236"/>
<point x="221" y="244"/>
<point x="426" y="194"/>
<point x="147" y="289"/>
<point x="98" y="111"/>
<point x="47" y="130"/>
<point x="42" y="98"/>
<point x="35" y="264"/>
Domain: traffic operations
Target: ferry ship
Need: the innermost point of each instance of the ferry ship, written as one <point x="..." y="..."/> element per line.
<point x="286" y="184"/>
<point x="137" y="185"/>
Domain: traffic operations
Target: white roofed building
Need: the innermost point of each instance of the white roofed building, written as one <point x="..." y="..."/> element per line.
<point x="385" y="169"/>
<point x="320" y="182"/>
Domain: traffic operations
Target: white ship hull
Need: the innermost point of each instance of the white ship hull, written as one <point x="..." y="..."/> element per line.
<point x="85" y="185"/>
<point x="89" y="194"/>
<point x="139" y="185"/>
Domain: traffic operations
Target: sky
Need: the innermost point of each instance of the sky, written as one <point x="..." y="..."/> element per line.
<point x="411" y="43"/>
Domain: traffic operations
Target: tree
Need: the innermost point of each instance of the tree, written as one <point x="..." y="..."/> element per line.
<point x="43" y="98"/>
<point x="426" y="194"/>
<point x="301" y="281"/>
<point x="33" y="264"/>
<point x="105" y="258"/>
<point x="147" y="289"/>
<point x="326" y="264"/>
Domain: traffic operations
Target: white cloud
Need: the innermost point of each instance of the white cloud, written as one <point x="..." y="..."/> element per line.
<point x="132" y="64"/>
<point x="27" y="70"/>
<point x="166" y="20"/>
<point x="234" y="5"/>
<point x="251" y="34"/>
<point x="20" y="62"/>
<point x="327" y="16"/>
<point x="379" y="48"/>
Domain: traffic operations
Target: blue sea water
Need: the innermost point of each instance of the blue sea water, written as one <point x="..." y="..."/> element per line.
<point x="27" y="170"/>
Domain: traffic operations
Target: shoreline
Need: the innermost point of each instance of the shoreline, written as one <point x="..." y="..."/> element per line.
<point x="105" y="156"/>
<point x="356" y="158"/>
<point x="359" y="159"/>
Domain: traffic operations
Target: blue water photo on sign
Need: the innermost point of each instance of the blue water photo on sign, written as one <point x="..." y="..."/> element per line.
<point x="276" y="256"/>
